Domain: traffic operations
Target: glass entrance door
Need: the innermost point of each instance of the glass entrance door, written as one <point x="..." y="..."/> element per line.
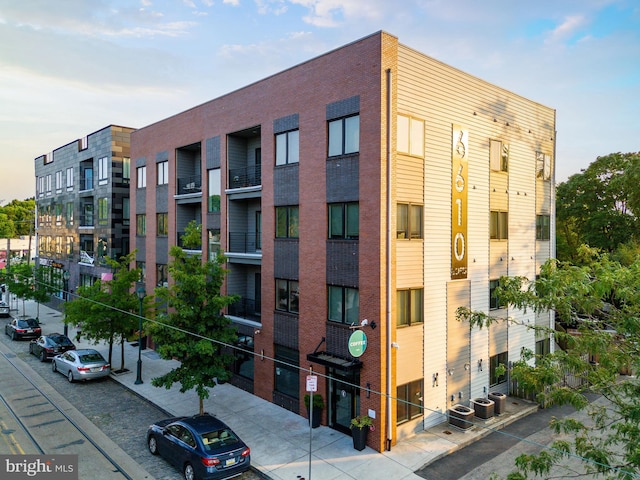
<point x="344" y="399"/>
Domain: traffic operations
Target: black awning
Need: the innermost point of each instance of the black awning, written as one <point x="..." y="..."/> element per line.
<point x="329" y="360"/>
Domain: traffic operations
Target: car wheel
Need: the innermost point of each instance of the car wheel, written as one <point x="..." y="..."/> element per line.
<point x="43" y="356"/>
<point x="54" y="367"/>
<point x="13" y="335"/>
<point x="70" y="376"/>
<point x="189" y="474"/>
<point x="153" y="445"/>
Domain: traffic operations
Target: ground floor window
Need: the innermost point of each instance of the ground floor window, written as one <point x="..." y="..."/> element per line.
<point x="287" y="379"/>
<point x="409" y="400"/>
<point x="243" y="358"/>
<point x="494" y="362"/>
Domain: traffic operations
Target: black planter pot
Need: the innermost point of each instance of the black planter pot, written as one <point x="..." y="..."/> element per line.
<point x="359" y="435"/>
<point x="317" y="416"/>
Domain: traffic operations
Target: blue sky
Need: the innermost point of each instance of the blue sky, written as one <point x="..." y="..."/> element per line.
<point x="72" y="67"/>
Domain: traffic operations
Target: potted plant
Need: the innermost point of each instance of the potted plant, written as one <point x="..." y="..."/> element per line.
<point x="318" y="405"/>
<point x="360" y="425"/>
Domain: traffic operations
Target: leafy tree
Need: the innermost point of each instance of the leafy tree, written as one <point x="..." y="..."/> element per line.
<point x="20" y="218"/>
<point x="32" y="283"/>
<point x="194" y="330"/>
<point x="599" y="206"/>
<point x="108" y="309"/>
<point x="599" y="303"/>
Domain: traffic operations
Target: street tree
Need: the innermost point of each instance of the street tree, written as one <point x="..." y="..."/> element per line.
<point x="598" y="303"/>
<point x="108" y="309"/>
<point x="191" y="327"/>
<point x="598" y="207"/>
<point x="18" y="216"/>
<point x="32" y="283"/>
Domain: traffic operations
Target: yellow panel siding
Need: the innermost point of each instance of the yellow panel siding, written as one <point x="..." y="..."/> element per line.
<point x="410" y="354"/>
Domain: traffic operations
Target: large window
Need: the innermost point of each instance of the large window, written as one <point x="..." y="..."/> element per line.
<point x="58" y="210"/>
<point x="344" y="305"/>
<point x="344" y="220"/>
<point x="126" y="211"/>
<point x="163" y="173"/>
<point x="162" y="224"/>
<point x="409" y="403"/>
<point x="288" y="296"/>
<point x="543" y="166"/>
<point x="141" y="176"/>
<point x="543" y="227"/>
<point x="288" y="147"/>
<point x="126" y="170"/>
<point x="499" y="225"/>
<point x="69" y="213"/>
<point x="500" y="359"/>
<point x="409" y="309"/>
<point x="141" y="224"/>
<point x="494" y="300"/>
<point x="48" y="186"/>
<point x="70" y="178"/>
<point x="103" y="170"/>
<point x="344" y="136"/>
<point x="59" y="181"/>
<point x="499" y="156"/>
<point x="286" y="371"/>
<point x="287" y="222"/>
<point x="214" y="190"/>
<point x="409" y="221"/>
<point x="162" y="275"/>
<point x="103" y="211"/>
<point x="410" y="136"/>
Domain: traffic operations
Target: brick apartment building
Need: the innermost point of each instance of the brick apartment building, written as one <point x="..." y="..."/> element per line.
<point x="374" y="190"/>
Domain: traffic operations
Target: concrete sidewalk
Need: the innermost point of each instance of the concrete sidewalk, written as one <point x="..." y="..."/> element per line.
<point x="279" y="439"/>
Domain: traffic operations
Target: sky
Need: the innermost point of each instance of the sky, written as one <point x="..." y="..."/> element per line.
<point x="73" y="67"/>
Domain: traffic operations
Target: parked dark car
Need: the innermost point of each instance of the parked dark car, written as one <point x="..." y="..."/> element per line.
<point x="48" y="346"/>
<point x="85" y="364"/>
<point x="4" y="309"/>
<point x="23" y="328"/>
<point x="202" y="447"/>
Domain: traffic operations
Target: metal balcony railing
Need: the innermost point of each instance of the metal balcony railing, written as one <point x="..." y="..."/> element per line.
<point x="180" y="243"/>
<point x="245" y="308"/>
<point x="245" y="177"/>
<point x="243" y="242"/>
<point x="190" y="184"/>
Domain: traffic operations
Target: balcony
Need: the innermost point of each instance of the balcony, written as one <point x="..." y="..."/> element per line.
<point x="250" y="176"/>
<point x="181" y="243"/>
<point x="87" y="221"/>
<point x="242" y="242"/>
<point x="189" y="185"/>
<point x="245" y="308"/>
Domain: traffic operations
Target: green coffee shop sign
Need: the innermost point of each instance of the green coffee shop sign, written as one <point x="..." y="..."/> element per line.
<point x="357" y="343"/>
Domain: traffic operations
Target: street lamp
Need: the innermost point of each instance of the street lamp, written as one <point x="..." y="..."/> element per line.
<point x="65" y="297"/>
<point x="141" y="294"/>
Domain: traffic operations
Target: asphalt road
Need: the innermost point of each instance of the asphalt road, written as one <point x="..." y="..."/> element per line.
<point x="122" y="415"/>
<point x="496" y="453"/>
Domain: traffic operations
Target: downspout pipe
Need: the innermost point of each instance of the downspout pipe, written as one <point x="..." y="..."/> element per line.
<point x="388" y="276"/>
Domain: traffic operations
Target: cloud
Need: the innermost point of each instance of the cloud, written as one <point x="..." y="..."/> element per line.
<point x="566" y="30"/>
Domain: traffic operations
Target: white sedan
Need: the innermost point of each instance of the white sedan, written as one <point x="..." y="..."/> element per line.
<point x="4" y="309"/>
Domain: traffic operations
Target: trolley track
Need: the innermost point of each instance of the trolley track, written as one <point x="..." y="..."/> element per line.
<point x="35" y="419"/>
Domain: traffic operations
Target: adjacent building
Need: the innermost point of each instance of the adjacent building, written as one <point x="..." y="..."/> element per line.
<point x="82" y="203"/>
<point x="360" y="197"/>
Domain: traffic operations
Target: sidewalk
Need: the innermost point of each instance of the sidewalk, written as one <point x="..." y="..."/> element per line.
<point x="279" y="439"/>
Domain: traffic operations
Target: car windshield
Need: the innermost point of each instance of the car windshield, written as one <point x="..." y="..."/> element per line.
<point x="61" y="340"/>
<point x="30" y="322"/>
<point x="219" y="438"/>
<point x="91" y="357"/>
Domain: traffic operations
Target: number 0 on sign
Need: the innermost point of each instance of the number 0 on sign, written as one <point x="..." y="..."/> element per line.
<point x="312" y="383"/>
